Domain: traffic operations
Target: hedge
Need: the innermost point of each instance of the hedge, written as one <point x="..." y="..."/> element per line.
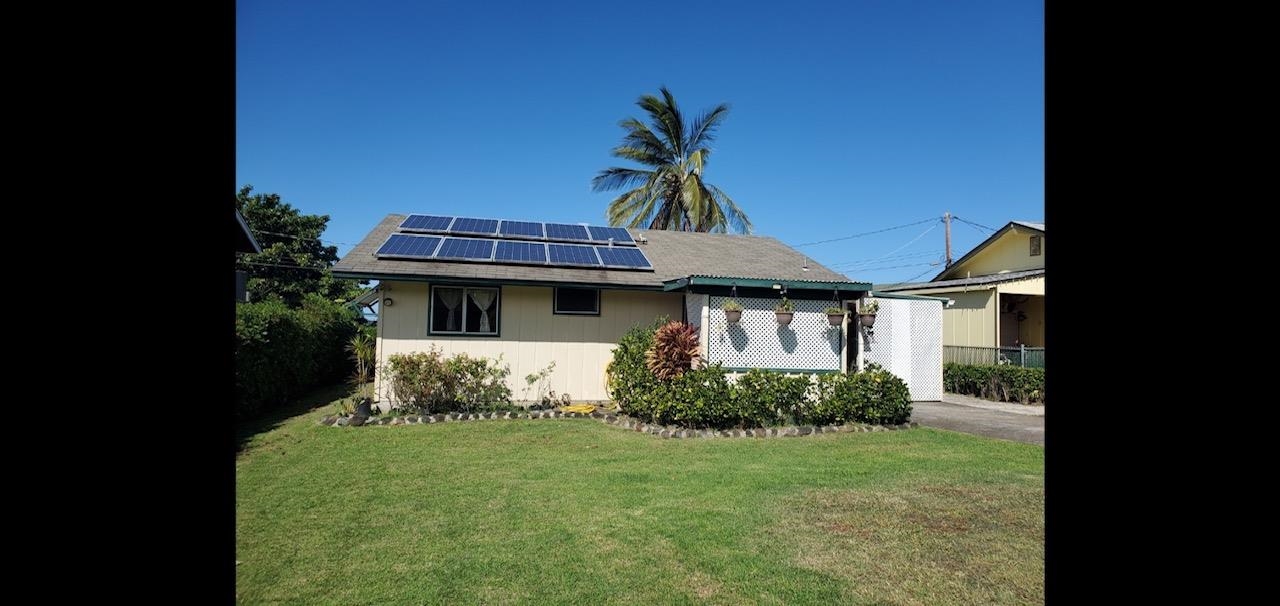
<point x="1003" y="383"/>
<point x="704" y="397"/>
<point x="282" y="352"/>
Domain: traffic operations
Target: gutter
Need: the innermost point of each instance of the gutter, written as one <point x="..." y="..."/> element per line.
<point x="358" y="275"/>
<point x="695" y="280"/>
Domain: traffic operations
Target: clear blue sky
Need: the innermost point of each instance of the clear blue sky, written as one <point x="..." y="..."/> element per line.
<point x="847" y="117"/>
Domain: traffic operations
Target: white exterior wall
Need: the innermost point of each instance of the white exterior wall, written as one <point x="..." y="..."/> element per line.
<point x="907" y="341"/>
<point x="531" y="336"/>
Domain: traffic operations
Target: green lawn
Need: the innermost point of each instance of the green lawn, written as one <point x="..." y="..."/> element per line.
<point x="572" y="511"/>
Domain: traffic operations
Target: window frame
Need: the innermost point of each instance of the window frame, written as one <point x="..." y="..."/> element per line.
<point x="496" y="319"/>
<point x="555" y="302"/>
<point x="1037" y="246"/>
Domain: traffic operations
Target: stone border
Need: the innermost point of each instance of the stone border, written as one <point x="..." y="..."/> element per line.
<point x="624" y="422"/>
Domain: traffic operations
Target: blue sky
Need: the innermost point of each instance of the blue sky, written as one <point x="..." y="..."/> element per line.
<point x="847" y="117"/>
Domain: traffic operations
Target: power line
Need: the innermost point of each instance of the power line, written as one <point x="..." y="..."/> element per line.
<point x="908" y="280"/>
<point x="922" y="222"/>
<point x="927" y="253"/>
<point x="913" y="240"/>
<point x="285" y="266"/>
<point x="871" y="269"/>
<point x="973" y="224"/>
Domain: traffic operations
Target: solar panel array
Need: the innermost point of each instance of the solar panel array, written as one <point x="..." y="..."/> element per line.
<point x="514" y="242"/>
<point x="517" y="230"/>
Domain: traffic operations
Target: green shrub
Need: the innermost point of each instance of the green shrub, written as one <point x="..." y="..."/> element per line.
<point x="627" y="375"/>
<point x="700" y="398"/>
<point x="1003" y="383"/>
<point x="419" y="382"/>
<point x="879" y="396"/>
<point x="763" y="398"/>
<point x="282" y="352"/>
<point x="831" y="401"/>
<point x="478" y="383"/>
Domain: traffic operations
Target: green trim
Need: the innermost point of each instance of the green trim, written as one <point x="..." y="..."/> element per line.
<point x="890" y="295"/>
<point x="696" y="280"/>
<point x="803" y="371"/>
<point x="455" y="280"/>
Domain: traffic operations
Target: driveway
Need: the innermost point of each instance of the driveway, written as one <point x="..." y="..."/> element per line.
<point x="1020" y="425"/>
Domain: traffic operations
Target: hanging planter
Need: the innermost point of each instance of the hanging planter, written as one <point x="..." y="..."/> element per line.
<point x="867" y="312"/>
<point x="784" y="311"/>
<point x="835" y="316"/>
<point x="732" y="311"/>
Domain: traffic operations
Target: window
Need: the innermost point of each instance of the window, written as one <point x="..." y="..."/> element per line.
<point x="1035" y="246"/>
<point x="578" y="301"/>
<point x="464" y="311"/>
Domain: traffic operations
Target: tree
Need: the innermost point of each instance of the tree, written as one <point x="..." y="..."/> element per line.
<point x="293" y="262"/>
<point x="671" y="192"/>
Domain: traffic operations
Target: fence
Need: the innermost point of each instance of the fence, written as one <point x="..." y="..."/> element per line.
<point x="1030" y="357"/>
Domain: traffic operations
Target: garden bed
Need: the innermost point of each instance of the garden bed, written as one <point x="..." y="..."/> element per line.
<point x="623" y="421"/>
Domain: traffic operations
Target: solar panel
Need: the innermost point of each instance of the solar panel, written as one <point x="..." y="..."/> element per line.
<point x="521" y="252"/>
<point x="521" y="228"/>
<point x="572" y="254"/>
<point x="470" y="249"/>
<point x="406" y="246"/>
<point x="427" y="223"/>
<point x="564" y="231"/>
<point x="467" y="225"/>
<point x="602" y="234"/>
<point x="623" y="257"/>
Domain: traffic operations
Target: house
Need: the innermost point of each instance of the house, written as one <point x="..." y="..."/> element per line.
<point x="244" y="243"/>
<point x="534" y="293"/>
<point x="998" y="289"/>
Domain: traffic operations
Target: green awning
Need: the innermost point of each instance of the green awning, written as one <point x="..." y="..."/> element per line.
<point x="679" y="283"/>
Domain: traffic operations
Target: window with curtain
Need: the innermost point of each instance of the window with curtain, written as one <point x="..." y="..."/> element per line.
<point x="464" y="310"/>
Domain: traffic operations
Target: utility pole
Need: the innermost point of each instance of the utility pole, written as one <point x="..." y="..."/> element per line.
<point x="946" y="218"/>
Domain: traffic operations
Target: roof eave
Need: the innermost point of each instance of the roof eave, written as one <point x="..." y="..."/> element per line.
<point x="696" y="280"/>
<point x="985" y="243"/>
<point x="442" y="279"/>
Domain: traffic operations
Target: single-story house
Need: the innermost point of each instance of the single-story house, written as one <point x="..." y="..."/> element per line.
<point x="244" y="243"/>
<point x="999" y="293"/>
<point x="533" y="293"/>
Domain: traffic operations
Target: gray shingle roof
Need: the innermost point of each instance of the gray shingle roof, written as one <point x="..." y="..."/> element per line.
<point x="673" y="254"/>
<point x="974" y="281"/>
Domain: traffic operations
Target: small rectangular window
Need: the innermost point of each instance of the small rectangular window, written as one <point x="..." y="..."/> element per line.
<point x="464" y="310"/>
<point x="1035" y="246"/>
<point x="577" y="301"/>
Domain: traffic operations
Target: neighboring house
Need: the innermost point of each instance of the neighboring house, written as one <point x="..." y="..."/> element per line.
<point x="535" y="293"/>
<point x="998" y="289"/>
<point x="244" y="243"/>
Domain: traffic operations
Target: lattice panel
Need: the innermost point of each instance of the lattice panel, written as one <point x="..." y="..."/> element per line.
<point x="757" y="341"/>
<point x="693" y="304"/>
<point x="907" y="341"/>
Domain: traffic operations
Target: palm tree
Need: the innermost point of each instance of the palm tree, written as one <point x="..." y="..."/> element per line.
<point x="670" y="193"/>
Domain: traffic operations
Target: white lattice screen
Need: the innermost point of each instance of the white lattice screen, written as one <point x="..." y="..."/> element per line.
<point x="757" y="341"/>
<point x="907" y="341"/>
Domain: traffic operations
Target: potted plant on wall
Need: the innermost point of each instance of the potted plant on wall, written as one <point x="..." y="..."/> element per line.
<point x="835" y="315"/>
<point x="867" y="312"/>
<point x="784" y="311"/>
<point x="732" y="311"/>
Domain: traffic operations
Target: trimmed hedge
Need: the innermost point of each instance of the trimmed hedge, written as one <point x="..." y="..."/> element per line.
<point x="704" y="397"/>
<point x="282" y="352"/>
<point x="1003" y="383"/>
<point x="428" y="383"/>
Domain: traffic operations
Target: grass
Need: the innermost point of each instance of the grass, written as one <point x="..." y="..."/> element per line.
<point x="572" y="511"/>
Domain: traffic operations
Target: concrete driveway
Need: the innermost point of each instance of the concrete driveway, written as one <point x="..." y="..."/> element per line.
<point x="1004" y="421"/>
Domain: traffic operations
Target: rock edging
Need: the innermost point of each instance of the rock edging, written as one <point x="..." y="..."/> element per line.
<point x="622" y="421"/>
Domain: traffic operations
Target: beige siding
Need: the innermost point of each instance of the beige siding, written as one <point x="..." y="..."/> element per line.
<point x="1011" y="252"/>
<point x="531" y="336"/>
<point x="971" y="321"/>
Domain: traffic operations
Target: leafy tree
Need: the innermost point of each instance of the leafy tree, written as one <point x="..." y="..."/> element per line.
<point x="670" y="193"/>
<point x="293" y="262"/>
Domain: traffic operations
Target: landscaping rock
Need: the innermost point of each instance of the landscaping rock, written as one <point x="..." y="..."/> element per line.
<point x="341" y="421"/>
<point x="804" y="430"/>
<point x="665" y="433"/>
<point x="397" y="421"/>
<point x="327" y="420"/>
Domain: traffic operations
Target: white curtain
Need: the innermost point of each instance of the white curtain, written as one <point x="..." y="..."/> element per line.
<point x="483" y="299"/>
<point x="451" y="297"/>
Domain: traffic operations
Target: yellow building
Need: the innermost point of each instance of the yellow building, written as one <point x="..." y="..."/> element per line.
<point x="998" y="289"/>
